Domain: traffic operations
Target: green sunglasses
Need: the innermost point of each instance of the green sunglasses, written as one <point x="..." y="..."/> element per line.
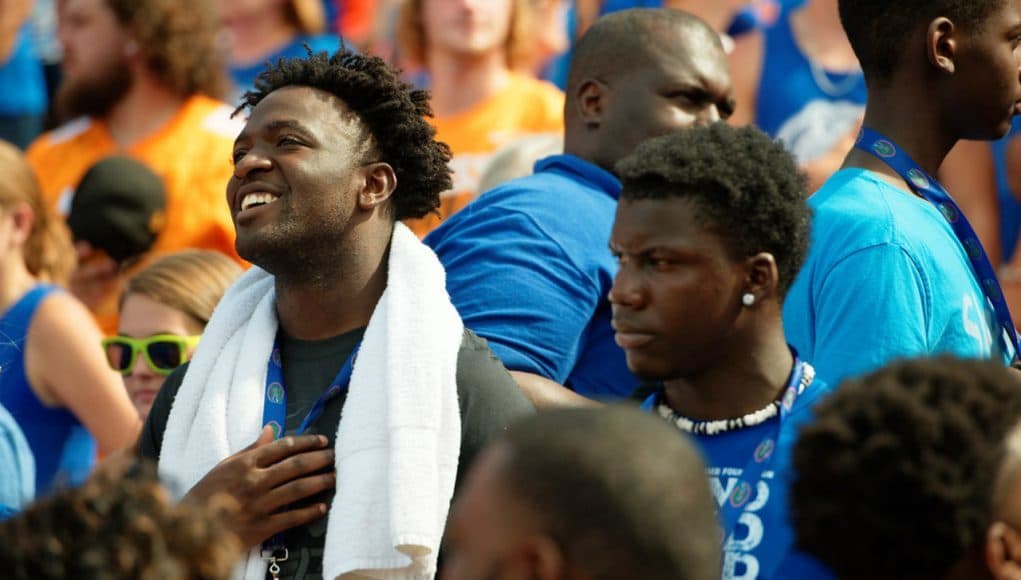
<point x="163" y="352"/>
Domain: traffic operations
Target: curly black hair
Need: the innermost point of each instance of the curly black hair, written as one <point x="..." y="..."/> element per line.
<point x="119" y="525"/>
<point x="879" y="29"/>
<point x="749" y="187"/>
<point x="895" y="478"/>
<point x="392" y="110"/>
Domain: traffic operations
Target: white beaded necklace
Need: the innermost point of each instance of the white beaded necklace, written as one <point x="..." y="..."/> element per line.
<point x="718" y="426"/>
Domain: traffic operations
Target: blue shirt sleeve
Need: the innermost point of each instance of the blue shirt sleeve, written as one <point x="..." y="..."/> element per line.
<point x="869" y="308"/>
<point x="516" y="286"/>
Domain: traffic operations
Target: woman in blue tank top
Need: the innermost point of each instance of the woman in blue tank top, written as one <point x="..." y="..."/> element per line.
<point x="799" y="81"/>
<point x="54" y="379"/>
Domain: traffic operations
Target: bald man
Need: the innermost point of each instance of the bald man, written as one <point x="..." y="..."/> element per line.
<point x="527" y="265"/>
<point x="599" y="494"/>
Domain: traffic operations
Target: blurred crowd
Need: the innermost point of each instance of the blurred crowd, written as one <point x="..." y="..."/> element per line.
<point x="256" y="254"/>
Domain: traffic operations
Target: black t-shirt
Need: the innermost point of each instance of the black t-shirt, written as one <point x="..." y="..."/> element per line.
<point x="489" y="400"/>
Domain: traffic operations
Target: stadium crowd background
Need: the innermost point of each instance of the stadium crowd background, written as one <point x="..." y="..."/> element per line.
<point x="129" y="140"/>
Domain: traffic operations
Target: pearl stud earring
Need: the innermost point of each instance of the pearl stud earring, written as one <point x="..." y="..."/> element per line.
<point x="748" y="299"/>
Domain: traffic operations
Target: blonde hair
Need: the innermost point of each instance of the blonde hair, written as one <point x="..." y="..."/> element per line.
<point x="192" y="281"/>
<point x="412" y="41"/>
<point x="49" y="255"/>
<point x="307" y="15"/>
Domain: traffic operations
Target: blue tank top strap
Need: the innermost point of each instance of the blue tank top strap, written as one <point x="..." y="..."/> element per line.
<point x="64" y="451"/>
<point x="21" y="312"/>
<point x="779" y="55"/>
<point x="789" y="80"/>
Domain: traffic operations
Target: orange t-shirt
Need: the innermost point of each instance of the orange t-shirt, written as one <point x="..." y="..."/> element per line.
<point x="191" y="153"/>
<point x="525" y="106"/>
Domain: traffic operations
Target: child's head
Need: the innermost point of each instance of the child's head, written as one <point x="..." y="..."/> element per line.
<point x="163" y="310"/>
<point x="120" y="525"/>
<point x="911" y="472"/>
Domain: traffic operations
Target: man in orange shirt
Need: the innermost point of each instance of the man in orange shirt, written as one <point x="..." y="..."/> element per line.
<point x="474" y="53"/>
<point x="141" y="79"/>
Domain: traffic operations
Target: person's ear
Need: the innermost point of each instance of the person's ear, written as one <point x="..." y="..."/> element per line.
<point x="23" y="219"/>
<point x="590" y="102"/>
<point x="1003" y="551"/>
<point x="941" y="44"/>
<point x="378" y="184"/>
<point x="537" y="557"/>
<point x="762" y="279"/>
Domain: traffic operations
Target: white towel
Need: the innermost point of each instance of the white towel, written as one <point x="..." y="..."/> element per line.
<point x="399" y="436"/>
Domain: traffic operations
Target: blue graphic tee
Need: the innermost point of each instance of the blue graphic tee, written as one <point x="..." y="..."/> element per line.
<point x="761" y="546"/>
<point x="885" y="278"/>
<point x="529" y="270"/>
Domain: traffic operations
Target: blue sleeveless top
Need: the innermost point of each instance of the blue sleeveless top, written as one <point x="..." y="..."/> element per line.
<point x="22" y="83"/>
<point x="800" y="103"/>
<point x="64" y="451"/>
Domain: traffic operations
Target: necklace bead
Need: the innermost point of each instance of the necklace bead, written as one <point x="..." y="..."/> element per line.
<point x="715" y="427"/>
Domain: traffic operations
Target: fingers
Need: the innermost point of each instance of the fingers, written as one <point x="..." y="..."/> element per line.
<point x="296" y="466"/>
<point x="265" y="438"/>
<point x="296" y="490"/>
<point x="275" y="452"/>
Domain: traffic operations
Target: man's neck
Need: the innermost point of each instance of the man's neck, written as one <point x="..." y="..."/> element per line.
<point x="916" y="128"/>
<point x="459" y="82"/>
<point x="147" y="107"/>
<point x="743" y="383"/>
<point x="340" y="299"/>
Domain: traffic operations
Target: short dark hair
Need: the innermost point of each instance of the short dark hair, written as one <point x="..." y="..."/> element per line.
<point x="621" y="40"/>
<point x="394" y="112"/>
<point x="119" y="525"/>
<point x="622" y="493"/>
<point x="879" y="29"/>
<point x="747" y="185"/>
<point x="895" y="478"/>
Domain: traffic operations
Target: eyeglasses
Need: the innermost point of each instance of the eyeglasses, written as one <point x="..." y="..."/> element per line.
<point x="163" y="352"/>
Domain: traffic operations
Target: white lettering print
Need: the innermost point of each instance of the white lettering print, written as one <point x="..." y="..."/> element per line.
<point x="738" y="566"/>
<point x="976" y="324"/>
<point x="740" y="561"/>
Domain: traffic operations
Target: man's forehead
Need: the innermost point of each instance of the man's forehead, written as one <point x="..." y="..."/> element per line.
<point x="299" y="99"/>
<point x="693" y="55"/>
<point x="300" y="107"/>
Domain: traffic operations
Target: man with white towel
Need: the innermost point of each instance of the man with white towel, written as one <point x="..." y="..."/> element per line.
<point x="342" y="331"/>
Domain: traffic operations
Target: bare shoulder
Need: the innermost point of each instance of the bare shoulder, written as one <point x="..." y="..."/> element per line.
<point x="60" y="314"/>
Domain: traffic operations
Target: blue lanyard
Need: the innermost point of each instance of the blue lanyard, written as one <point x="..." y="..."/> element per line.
<point x="274" y="414"/>
<point x="924" y="185"/>
<point x="761" y="459"/>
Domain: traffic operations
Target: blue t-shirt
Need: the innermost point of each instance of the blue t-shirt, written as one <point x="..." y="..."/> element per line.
<point x="762" y="544"/>
<point x="17" y="468"/>
<point x="244" y="76"/>
<point x="885" y="278"/>
<point x="798" y="102"/>
<point x="529" y="269"/>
